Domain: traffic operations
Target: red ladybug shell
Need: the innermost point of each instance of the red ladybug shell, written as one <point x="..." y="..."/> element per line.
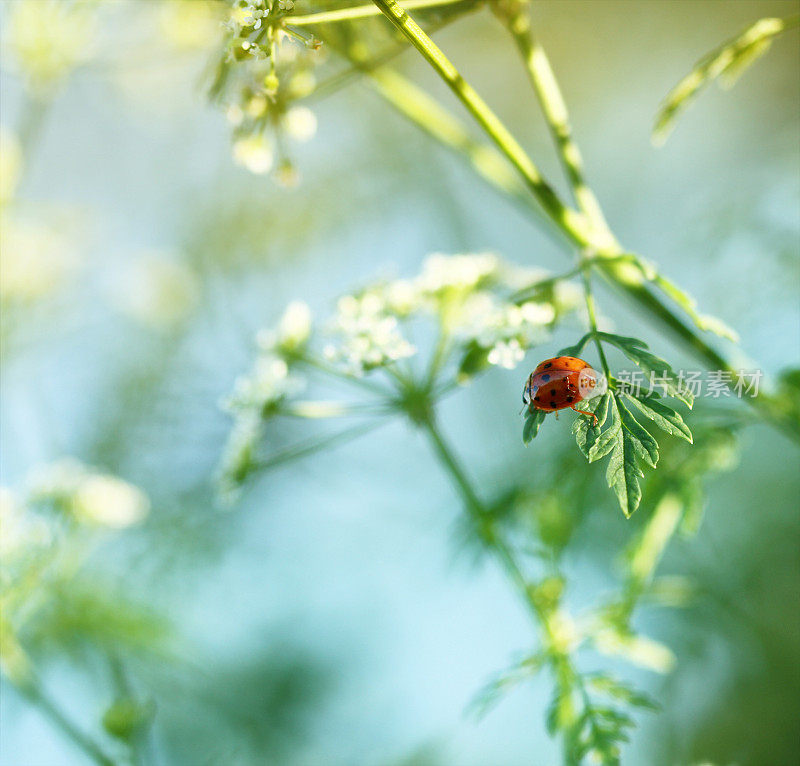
<point x="553" y="385"/>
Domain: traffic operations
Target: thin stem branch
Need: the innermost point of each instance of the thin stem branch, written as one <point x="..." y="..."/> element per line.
<point x="561" y="662"/>
<point x="592" y="312"/>
<point x="361" y="12"/>
<point x="310" y="446"/>
<point x="439" y="123"/>
<point x="555" y="112"/>
<point x="569" y="220"/>
<point x="369" y="385"/>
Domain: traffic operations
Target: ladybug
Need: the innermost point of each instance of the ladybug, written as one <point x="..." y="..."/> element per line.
<point x="560" y="383"/>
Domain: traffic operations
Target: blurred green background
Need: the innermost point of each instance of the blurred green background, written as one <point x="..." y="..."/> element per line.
<point x="333" y="616"/>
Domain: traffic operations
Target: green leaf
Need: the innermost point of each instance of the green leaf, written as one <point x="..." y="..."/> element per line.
<point x="586" y="432"/>
<point x="642" y="441"/>
<point x="475" y="360"/>
<point x="636" y="351"/>
<point x="575" y="349"/>
<point x="606" y="684"/>
<point x="626" y="442"/>
<point x="533" y="420"/>
<point x="491" y="693"/>
<point x="726" y="62"/>
<point x="662" y="415"/>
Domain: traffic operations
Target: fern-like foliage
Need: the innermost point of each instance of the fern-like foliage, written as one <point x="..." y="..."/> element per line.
<point x="725" y="63"/>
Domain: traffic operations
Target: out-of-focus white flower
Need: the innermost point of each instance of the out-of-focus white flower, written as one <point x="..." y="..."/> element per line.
<point x="35" y="259"/>
<point x="190" y="24"/>
<point x="267" y="384"/>
<point x="234" y="114"/>
<point x="157" y="290"/>
<point x="88" y="496"/>
<point x="301" y="84"/>
<point x="49" y="38"/>
<point x="292" y="332"/>
<point x="535" y="314"/>
<point x="456" y="272"/>
<point x="256" y="106"/>
<point x="294" y="328"/>
<point x="507" y="354"/>
<point x="567" y="296"/>
<point x="110" y="502"/>
<point x="254" y="152"/>
<point x="10" y="165"/>
<point x="300" y="123"/>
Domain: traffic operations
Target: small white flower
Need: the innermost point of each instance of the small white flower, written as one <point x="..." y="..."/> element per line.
<point x="507" y="355"/>
<point x="294" y="328"/>
<point x="255" y="153"/>
<point x="110" y="502"/>
<point x="537" y="313"/>
<point x="459" y="272"/>
<point x="267" y="384"/>
<point x="300" y="123"/>
<point x="370" y="333"/>
<point x="234" y="114"/>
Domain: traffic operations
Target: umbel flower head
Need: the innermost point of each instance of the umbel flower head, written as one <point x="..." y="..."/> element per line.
<point x="262" y="72"/>
<point x="455" y="318"/>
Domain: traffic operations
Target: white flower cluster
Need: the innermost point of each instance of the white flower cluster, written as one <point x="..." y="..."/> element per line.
<point x="258" y="394"/>
<point x="469" y="296"/>
<point x="264" y="388"/>
<point x="246" y="15"/>
<point x="254" y="150"/>
<point x="89" y="496"/>
<point x="269" y="382"/>
<point x="371" y="335"/>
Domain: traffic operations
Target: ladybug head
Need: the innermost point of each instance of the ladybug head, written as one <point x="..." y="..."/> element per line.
<point x="528" y="392"/>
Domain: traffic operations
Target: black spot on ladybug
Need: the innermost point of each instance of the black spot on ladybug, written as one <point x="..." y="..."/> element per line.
<point x="552" y="392"/>
<point x="545" y="378"/>
<point x="535" y="398"/>
<point x="570" y="398"/>
<point x="549" y="364"/>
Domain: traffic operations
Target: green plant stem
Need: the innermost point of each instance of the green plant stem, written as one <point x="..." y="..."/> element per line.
<point x="555" y="112"/>
<point x="327" y="369"/>
<point x="34" y="692"/>
<point x="361" y="12"/>
<point x="592" y="312"/>
<point x="439" y="123"/>
<point x="570" y="221"/>
<point x="562" y="666"/>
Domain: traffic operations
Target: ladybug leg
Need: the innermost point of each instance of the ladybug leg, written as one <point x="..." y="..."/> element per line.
<point x="590" y="414"/>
